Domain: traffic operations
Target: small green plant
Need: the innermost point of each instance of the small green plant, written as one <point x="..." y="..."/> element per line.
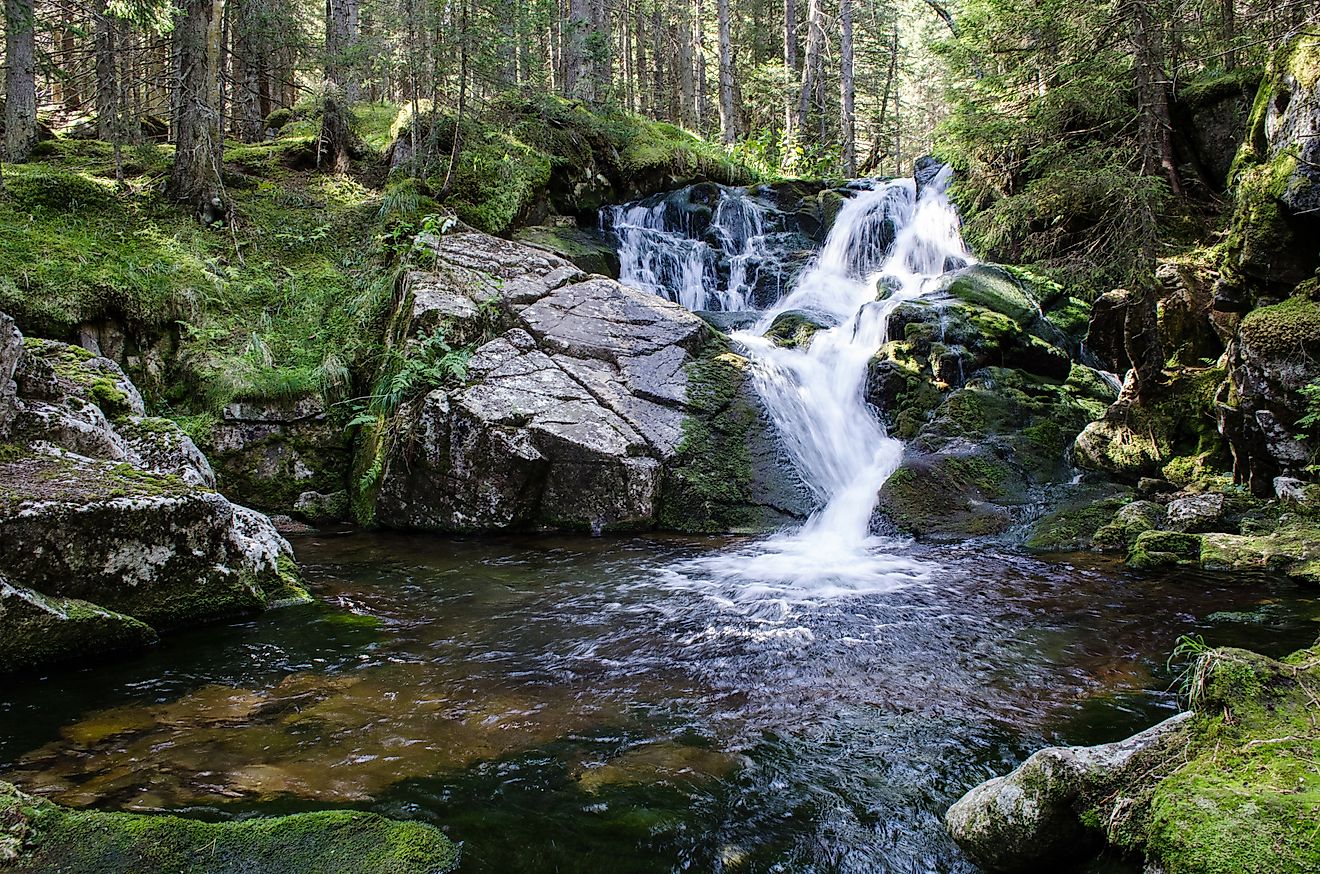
<point x="1190" y="651"/>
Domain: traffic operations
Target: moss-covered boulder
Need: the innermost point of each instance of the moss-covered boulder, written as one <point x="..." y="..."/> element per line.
<point x="108" y="529"/>
<point x="38" y="836"/>
<point x="793" y="329"/>
<point x="1170" y="432"/>
<point x="1228" y="788"/>
<point x="1292" y="549"/>
<point x="37" y="630"/>
<point x="1161" y="549"/>
<point x="978" y="465"/>
<point x="1276" y="180"/>
<point x="1080" y="520"/>
<point x="1127" y="524"/>
<point x="1275" y="358"/>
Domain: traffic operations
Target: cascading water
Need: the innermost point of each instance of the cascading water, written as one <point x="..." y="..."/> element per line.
<point x="703" y="257"/>
<point x="891" y="242"/>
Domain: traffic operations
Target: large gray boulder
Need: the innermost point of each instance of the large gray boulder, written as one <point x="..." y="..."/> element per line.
<point x="110" y="530"/>
<point x="575" y="403"/>
<point x="1030" y="819"/>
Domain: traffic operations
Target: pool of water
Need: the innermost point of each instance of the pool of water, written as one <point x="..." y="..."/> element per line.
<point x="578" y="704"/>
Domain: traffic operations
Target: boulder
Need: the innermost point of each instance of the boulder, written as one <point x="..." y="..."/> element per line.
<point x="794" y="329"/>
<point x="38" y="629"/>
<point x="575" y="400"/>
<point x="37" y="835"/>
<point x="1227" y="787"/>
<point x="1197" y="512"/>
<point x="1162" y="549"/>
<point x="587" y="248"/>
<point x="267" y="454"/>
<point x="109" y="528"/>
<point x="1129" y="523"/>
<point x="1031" y="819"/>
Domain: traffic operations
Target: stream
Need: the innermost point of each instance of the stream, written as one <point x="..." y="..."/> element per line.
<point x="810" y="701"/>
<point x="572" y="704"/>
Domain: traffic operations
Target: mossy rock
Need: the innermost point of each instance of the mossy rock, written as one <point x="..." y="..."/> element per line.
<point x="587" y="249"/>
<point x="1246" y="797"/>
<point x="1074" y="525"/>
<point x="46" y="837"/>
<point x="1283" y="330"/>
<point x="37" y="630"/>
<point x="794" y="329"/>
<point x="1127" y="524"/>
<point x="1160" y="549"/>
<point x="1292" y="549"/>
<point x="951" y="497"/>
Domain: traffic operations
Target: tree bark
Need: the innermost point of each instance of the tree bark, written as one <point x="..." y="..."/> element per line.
<point x="578" y="81"/>
<point x="728" y="119"/>
<point x="103" y="39"/>
<point x="195" y="178"/>
<point x="341" y="18"/>
<point x="699" y="50"/>
<point x="847" y="126"/>
<point x="811" y="64"/>
<point x="1153" y="95"/>
<point x="790" y="69"/>
<point x="20" y="80"/>
<point x="249" y="61"/>
<point x="687" y="84"/>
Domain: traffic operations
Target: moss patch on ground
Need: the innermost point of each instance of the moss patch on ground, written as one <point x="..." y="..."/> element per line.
<point x="1248" y="797"/>
<point x="46" y="837"/>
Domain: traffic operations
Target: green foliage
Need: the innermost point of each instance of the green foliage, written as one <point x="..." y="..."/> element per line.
<point x="1190" y="651"/>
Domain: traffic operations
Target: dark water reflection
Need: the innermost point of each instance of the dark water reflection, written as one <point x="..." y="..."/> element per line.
<point x="559" y="705"/>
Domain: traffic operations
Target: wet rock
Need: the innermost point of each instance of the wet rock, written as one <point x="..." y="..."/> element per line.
<point x="11" y="349"/>
<point x="40" y="836"/>
<point x="1030" y="820"/>
<point x="36" y="629"/>
<point x="1129" y="523"/>
<point x="1275" y="357"/>
<point x="571" y="407"/>
<point x="1197" y="512"/>
<point x="1082" y="513"/>
<point x="1216" y="115"/>
<point x="794" y="329"/>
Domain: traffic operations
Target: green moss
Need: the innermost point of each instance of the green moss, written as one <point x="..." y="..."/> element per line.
<point x="1158" y="549"/>
<point x="1075" y="526"/>
<point x="38" y="630"/>
<point x="708" y="483"/>
<point x="794" y="329"/>
<point x="1284" y="329"/>
<point x="326" y="842"/>
<point x="1247" y="798"/>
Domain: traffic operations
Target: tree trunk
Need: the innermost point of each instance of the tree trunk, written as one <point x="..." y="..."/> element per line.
<point x="1153" y="95"/>
<point x="195" y="178"/>
<point x="728" y="121"/>
<point x="103" y="39"/>
<point x="578" y="81"/>
<point x="687" y="85"/>
<point x="847" y="126"/>
<point x="598" y="52"/>
<point x="20" y="80"/>
<point x="811" y="64"/>
<point x="699" y="49"/>
<point x="790" y="68"/>
<point x="249" y="61"/>
<point x="1228" y="32"/>
<point x="340" y="89"/>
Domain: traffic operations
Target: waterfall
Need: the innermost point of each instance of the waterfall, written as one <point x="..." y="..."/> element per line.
<point x="721" y="258"/>
<point x="890" y="243"/>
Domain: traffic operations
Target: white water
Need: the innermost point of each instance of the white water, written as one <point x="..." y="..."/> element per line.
<point x="815" y="397"/>
<point x="678" y="264"/>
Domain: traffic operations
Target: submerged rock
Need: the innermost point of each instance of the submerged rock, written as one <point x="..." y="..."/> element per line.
<point x="38" y="836"/>
<point x="578" y="394"/>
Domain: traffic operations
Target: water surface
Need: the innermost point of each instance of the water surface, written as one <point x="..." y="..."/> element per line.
<point x="577" y="704"/>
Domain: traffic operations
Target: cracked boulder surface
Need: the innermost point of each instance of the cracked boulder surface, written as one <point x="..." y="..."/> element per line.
<point x="576" y="401"/>
<point x="110" y="528"/>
